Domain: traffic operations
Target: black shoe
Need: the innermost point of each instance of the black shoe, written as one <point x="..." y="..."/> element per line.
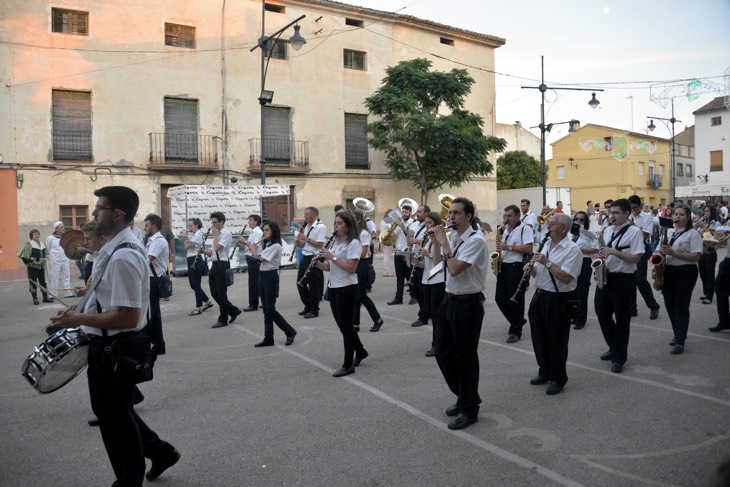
<point x="234" y="315"/>
<point x="654" y="314"/>
<point x="93" y="421"/>
<point x="290" y="339"/>
<point x="219" y="324"/>
<point x="677" y="349"/>
<point x="360" y="358"/>
<point x="431" y="352"/>
<point x="673" y="342"/>
<point x="158" y="350"/>
<point x="413" y="301"/>
<point x="138" y="396"/>
<point x="579" y="327"/>
<point x="617" y="368"/>
<point x="341" y="372"/>
<point x="35" y="301"/>
<point x="539" y="380"/>
<point x="452" y="410"/>
<point x="250" y="308"/>
<point x="553" y="389"/>
<point x="159" y="466"/>
<point x="310" y="315"/>
<point x="418" y="323"/>
<point x="707" y="300"/>
<point x="717" y="328"/>
<point x="513" y="339"/>
<point x="265" y="343"/>
<point x="376" y="326"/>
<point x="395" y="301"/>
<point x="607" y="355"/>
<point x="302" y="313"/>
<point x="462" y="421"/>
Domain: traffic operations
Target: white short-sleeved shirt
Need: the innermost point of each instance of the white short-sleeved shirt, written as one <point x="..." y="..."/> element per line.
<point x="158" y="248"/>
<point x="584" y="241"/>
<point x="521" y="235"/>
<point x="138" y="233"/>
<point x="631" y="242"/>
<point x="225" y="239"/>
<point x="344" y="251"/>
<point x="55" y="251"/>
<point x="125" y="281"/>
<point x="370" y="225"/>
<point x="419" y="231"/>
<point x="316" y="232"/>
<point x="686" y="242"/>
<point x="198" y="239"/>
<point x="401" y="240"/>
<point x="644" y="221"/>
<point x="473" y="251"/>
<point x="255" y="237"/>
<point x="428" y="264"/>
<point x="568" y="256"/>
<point x="365" y="240"/>
<point x="528" y="219"/>
<point x="271" y="257"/>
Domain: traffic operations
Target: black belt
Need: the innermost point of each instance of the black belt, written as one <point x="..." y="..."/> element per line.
<point x="504" y="264"/>
<point x="462" y="297"/>
<point x="617" y="275"/>
<point x="220" y="262"/>
<point x="544" y="291"/>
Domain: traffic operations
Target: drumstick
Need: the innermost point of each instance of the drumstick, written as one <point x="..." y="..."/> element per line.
<point x="52" y="295"/>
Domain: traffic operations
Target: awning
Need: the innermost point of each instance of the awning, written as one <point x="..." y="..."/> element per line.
<point x="702" y="191"/>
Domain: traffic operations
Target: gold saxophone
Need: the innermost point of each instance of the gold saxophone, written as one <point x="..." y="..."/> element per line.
<point x="599" y="265"/>
<point x="659" y="261"/>
<point x="496" y="257"/>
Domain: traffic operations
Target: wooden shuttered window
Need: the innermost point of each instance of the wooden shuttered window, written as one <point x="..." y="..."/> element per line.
<point x="71" y="125"/>
<point x="181" y="130"/>
<point x="356" y="141"/>
<point x="179" y="35"/>
<point x="277" y="132"/>
<point x="69" y="21"/>
<point x="716" y="160"/>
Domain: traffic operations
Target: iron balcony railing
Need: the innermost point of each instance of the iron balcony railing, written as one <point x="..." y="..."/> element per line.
<point x="655" y="180"/>
<point x="72" y="146"/>
<point x="280" y="153"/>
<point x="188" y="149"/>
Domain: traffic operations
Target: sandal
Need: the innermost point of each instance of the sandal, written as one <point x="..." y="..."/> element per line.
<point x="195" y="312"/>
<point x="207" y="305"/>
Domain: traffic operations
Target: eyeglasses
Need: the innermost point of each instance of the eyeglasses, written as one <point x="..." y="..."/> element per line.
<point x="579" y="220"/>
<point x="100" y="208"/>
<point x="617" y="212"/>
<point x="213" y="222"/>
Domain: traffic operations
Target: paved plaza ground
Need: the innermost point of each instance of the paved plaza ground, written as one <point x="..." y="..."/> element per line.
<point x="245" y="416"/>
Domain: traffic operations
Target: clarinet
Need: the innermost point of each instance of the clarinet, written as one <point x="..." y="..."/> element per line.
<point x="202" y="247"/>
<point x="526" y="275"/>
<point x="416" y="259"/>
<point x="294" y="250"/>
<point x="314" y="261"/>
<point x="237" y="242"/>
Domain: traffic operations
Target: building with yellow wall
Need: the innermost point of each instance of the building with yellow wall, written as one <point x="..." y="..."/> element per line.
<point x="600" y="163"/>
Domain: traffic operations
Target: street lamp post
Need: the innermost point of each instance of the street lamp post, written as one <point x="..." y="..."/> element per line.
<point x="672" y="161"/>
<point x="545" y="129"/>
<point x="266" y="43"/>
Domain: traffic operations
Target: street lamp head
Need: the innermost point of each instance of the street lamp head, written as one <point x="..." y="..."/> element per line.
<point x="594" y="101"/>
<point x="572" y="125"/>
<point x="297" y="41"/>
<point x="651" y="126"/>
<point x="267" y="96"/>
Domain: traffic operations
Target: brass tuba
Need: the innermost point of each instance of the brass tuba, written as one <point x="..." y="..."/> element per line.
<point x="364" y="205"/>
<point x="445" y="202"/>
<point x="496" y="257"/>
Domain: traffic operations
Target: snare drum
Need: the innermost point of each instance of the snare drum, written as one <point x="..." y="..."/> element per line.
<point x="56" y="361"/>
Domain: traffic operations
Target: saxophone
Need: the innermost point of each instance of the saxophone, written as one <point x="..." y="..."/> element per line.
<point x="599" y="265"/>
<point x="659" y="262"/>
<point x="496" y="257"/>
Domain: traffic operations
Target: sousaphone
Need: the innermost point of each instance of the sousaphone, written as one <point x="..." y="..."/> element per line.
<point x="69" y="241"/>
<point x="364" y="205"/>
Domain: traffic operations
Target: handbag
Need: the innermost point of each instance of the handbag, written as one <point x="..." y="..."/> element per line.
<point x="229" y="277"/>
<point x="164" y="283"/>
<point x="132" y="358"/>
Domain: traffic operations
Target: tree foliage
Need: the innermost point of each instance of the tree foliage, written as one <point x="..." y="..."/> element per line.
<point x="518" y="169"/>
<point x="422" y="144"/>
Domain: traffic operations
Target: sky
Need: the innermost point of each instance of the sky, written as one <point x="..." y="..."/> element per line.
<point x="641" y="53"/>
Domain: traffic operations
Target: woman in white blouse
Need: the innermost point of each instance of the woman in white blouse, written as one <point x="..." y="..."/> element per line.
<point x="197" y="267"/>
<point x="434" y="288"/>
<point x="362" y="278"/>
<point x="682" y="251"/>
<point x="268" y="253"/>
<point x="341" y="261"/>
<point x="588" y="246"/>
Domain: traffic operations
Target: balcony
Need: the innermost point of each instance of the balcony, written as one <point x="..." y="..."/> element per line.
<point x="283" y="156"/>
<point x="183" y="152"/>
<point x="655" y="180"/>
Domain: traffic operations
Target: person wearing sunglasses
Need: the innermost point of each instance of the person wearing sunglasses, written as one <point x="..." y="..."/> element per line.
<point x="587" y="242"/>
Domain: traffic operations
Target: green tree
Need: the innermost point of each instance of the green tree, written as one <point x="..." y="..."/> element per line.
<point x="422" y="145"/>
<point x="517" y="169"/>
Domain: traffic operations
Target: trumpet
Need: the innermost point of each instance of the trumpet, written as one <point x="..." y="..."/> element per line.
<point x="541" y="219"/>
<point x="315" y="258"/>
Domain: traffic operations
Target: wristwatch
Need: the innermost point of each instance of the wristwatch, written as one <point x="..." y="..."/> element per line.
<point x="548" y="265"/>
<point x="510" y="248"/>
<point x="334" y="259"/>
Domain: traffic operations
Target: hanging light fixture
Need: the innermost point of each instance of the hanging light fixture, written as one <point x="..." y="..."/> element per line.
<point x="297" y="41"/>
<point x="594" y="101"/>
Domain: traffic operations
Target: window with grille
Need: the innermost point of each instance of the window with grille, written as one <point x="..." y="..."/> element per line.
<point x="277" y="145"/>
<point x="69" y="21"/>
<point x="279" y="49"/>
<point x="715" y="160"/>
<point x="179" y="35"/>
<point x="74" y="216"/>
<point x="71" y="125"/>
<point x="354" y="59"/>
<point x="181" y="130"/>
<point x="356" y="141"/>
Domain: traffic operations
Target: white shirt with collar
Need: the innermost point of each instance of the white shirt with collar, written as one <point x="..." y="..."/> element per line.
<point x="344" y="251"/>
<point x="317" y="232"/>
<point x="401" y="241"/>
<point x="565" y="255"/>
<point x="644" y="222"/>
<point x="225" y="240"/>
<point x="419" y="231"/>
<point x="520" y="235"/>
<point x="365" y="240"/>
<point x="687" y="242"/>
<point x="528" y="219"/>
<point x="473" y="251"/>
<point x="428" y="264"/>
<point x="271" y="256"/>
<point x="631" y="242"/>
<point x="584" y="241"/>
<point x="124" y="283"/>
<point x="255" y="237"/>
<point x="197" y="238"/>
<point x="158" y="248"/>
<point x="55" y="251"/>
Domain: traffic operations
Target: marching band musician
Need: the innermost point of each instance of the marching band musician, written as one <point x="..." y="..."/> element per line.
<point x="433" y="288"/>
<point x="400" y="262"/>
<point x="311" y="239"/>
<point x="465" y="258"/>
<point x="418" y="227"/>
<point x="527" y="217"/>
<point x="222" y="243"/>
<point x="341" y="261"/>
<point x="588" y="247"/>
<point x="362" y="272"/>
<point x="604" y="216"/>
<point x="645" y="223"/>
<point x="683" y="249"/>
<point x="255" y="236"/>
<point x="517" y="240"/>
<point x="623" y="250"/>
<point x="556" y="270"/>
<point x="708" y="260"/>
<point x="197" y="266"/>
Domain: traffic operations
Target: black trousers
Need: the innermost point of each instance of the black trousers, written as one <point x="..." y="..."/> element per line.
<point x="584" y="287"/>
<point x="614" y="299"/>
<point x="722" y="290"/>
<point x="550" y="329"/>
<point x="127" y="439"/>
<point x="311" y="293"/>
<point x="253" y="281"/>
<point x="458" y="326"/>
<point x="424" y="313"/>
<point x="196" y="268"/>
<point x="679" y="281"/>
<point x="433" y="295"/>
<point x="154" y="324"/>
<point x="507" y="281"/>
<point x="269" y="290"/>
<point x="36" y="275"/>
<point x="363" y="268"/>
<point x="642" y="285"/>
<point x="706" y="267"/>
<point x="402" y="272"/>
<point x="342" y="304"/>
<point x="219" y="290"/>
